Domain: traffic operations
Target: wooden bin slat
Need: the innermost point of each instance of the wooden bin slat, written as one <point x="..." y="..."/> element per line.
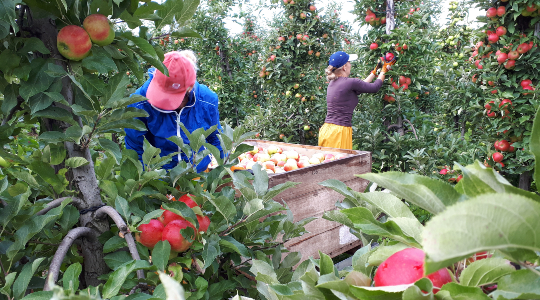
<point x="310" y="199"/>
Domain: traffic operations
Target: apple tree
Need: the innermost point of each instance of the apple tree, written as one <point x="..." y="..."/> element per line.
<point x="290" y="72"/>
<point x="63" y="179"/>
<point x="505" y="58"/>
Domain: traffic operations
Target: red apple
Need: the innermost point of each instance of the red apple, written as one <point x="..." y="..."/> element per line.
<point x="493" y="38"/>
<point x="523" y="48"/>
<point x="504" y="103"/>
<point x="502" y="58"/>
<point x="150" y="233"/>
<point x="526" y="82"/>
<point x="513" y="55"/>
<point x="443" y="172"/>
<point x="491" y="12"/>
<point x="500" y="31"/>
<point x="510" y="64"/>
<point x="204" y="223"/>
<point x="389" y="56"/>
<point x="171" y="233"/>
<point x="497" y="157"/>
<point x="406" y="267"/>
<point x="99" y="29"/>
<point x="373" y="46"/>
<point x="73" y="42"/>
<point x="501" y="10"/>
<point x="503" y="145"/>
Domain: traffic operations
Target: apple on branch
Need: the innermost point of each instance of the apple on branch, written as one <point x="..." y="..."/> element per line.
<point x="73" y="42"/>
<point x="99" y="29"/>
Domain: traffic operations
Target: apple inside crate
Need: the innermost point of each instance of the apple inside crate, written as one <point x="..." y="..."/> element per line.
<point x="309" y="199"/>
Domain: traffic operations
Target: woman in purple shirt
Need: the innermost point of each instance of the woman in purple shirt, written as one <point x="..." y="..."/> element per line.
<point x="342" y="98"/>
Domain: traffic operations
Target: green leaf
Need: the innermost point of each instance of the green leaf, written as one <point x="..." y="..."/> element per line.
<point x="33" y="44"/>
<point x="26" y="177"/>
<point x="264" y="272"/>
<point x="99" y="61"/>
<point x="38" y="81"/>
<point x="8" y="279"/>
<point x="223" y="205"/>
<point x="160" y="254"/>
<point x="22" y="281"/>
<point x="485" y="271"/>
<point x="260" y="183"/>
<point x="39" y="295"/>
<point x="117" y="259"/>
<point x="113" y="244"/>
<point x="389" y="204"/>
<point x="478" y="179"/>
<point x="118" y="277"/>
<point x="146" y="51"/>
<point x="70" y="217"/>
<point x="43" y="100"/>
<point x="152" y="215"/>
<point x="122" y="206"/>
<point x="534" y="145"/>
<point x="383" y="293"/>
<point x="185" y="32"/>
<point x="363" y="219"/>
<point x="9" y="61"/>
<point x="173" y="289"/>
<point x="112" y="148"/>
<point x="230" y="243"/>
<point x="326" y="264"/>
<point x="15" y="205"/>
<point x="381" y="253"/>
<point x="75" y="162"/>
<point x="211" y="250"/>
<point x="476" y="227"/>
<point x="522" y="284"/>
<point x="116" y="90"/>
<point x="278" y="189"/>
<point x="70" y="279"/>
<point x="115" y="103"/>
<point x="430" y="194"/>
<point x="180" y="208"/>
<point x="456" y="291"/>
<point x="10" y="98"/>
<point x="8" y="17"/>
<point x="56" y="113"/>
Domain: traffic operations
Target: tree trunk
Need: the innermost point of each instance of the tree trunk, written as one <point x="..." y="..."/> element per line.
<point x="390" y="22"/>
<point x="525" y="180"/>
<point x="84" y="178"/>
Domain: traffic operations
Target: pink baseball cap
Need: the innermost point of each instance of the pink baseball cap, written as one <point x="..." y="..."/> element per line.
<point x="167" y="92"/>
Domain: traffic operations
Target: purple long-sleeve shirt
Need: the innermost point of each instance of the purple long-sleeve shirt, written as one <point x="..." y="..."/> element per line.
<point x="342" y="98"/>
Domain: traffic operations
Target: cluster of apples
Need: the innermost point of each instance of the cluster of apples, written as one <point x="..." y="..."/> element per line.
<point x="74" y="42"/>
<point x="372" y="19"/>
<point x="275" y="161"/>
<point x="167" y="227"/>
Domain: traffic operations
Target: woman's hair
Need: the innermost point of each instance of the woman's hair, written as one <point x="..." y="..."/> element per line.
<point x="190" y="55"/>
<point x="331" y="72"/>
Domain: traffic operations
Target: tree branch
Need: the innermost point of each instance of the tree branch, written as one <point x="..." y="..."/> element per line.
<point x="124" y="232"/>
<point x="55" y="203"/>
<point x="68" y="240"/>
<point x="414" y="131"/>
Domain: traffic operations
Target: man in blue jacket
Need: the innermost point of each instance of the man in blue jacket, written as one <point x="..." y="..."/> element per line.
<point x="172" y="100"/>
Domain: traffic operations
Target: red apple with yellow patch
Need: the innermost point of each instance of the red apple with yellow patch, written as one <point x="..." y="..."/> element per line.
<point x="99" y="29"/>
<point x="73" y="42"/>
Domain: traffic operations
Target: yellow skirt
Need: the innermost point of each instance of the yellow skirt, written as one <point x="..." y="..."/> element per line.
<point x="335" y="136"/>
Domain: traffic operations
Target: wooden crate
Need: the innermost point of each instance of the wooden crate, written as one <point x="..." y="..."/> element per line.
<point x="309" y="199"/>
